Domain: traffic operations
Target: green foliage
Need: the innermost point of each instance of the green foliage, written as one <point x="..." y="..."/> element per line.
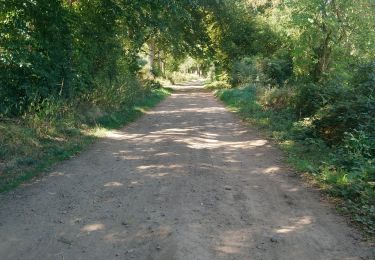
<point x="324" y="32"/>
<point x="357" y="152"/>
<point x="315" y="94"/>
<point x="351" y="109"/>
<point x="364" y="78"/>
<point x="304" y="70"/>
<point x="180" y="77"/>
<point x="28" y="146"/>
<point x="34" y="53"/>
<point x="77" y="50"/>
<point x="245" y="71"/>
<point x="346" y="170"/>
<point x="278" y="70"/>
<point x="217" y="85"/>
<point x="308" y="99"/>
<point x="152" y="84"/>
<point x="272" y="71"/>
<point x="277" y="98"/>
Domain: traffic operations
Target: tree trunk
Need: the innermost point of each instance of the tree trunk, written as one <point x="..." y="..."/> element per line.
<point x="151" y="56"/>
<point x="323" y="54"/>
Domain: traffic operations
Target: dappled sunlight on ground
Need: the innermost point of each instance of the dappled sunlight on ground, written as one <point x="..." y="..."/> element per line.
<point x="186" y="181"/>
<point x="157" y="175"/>
<point x="212" y="110"/>
<point x="271" y="169"/>
<point x="113" y="184"/>
<point x="55" y="174"/>
<point x="92" y="227"/>
<point x="297" y="224"/>
<point x="233" y="241"/>
<point x="199" y="143"/>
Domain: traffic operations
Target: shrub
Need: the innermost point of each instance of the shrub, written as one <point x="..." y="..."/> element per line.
<point x="244" y="71"/>
<point x="349" y="109"/>
<point x="277" y="98"/>
<point x="334" y="120"/>
<point x="217" y="85"/>
<point x="357" y="153"/>
<point x="33" y="54"/>
<point x="152" y="84"/>
<point x="308" y="99"/>
<point x="364" y="78"/>
<point x="278" y="70"/>
<point x="268" y="71"/>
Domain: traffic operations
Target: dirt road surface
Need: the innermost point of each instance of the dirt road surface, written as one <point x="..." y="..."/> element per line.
<point x="187" y="181"/>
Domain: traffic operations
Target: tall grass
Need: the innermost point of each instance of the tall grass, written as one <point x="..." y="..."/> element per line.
<point x="56" y="132"/>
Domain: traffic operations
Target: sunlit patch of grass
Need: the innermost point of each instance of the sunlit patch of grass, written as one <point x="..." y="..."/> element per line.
<point x="96" y="132"/>
<point x="217" y="85"/>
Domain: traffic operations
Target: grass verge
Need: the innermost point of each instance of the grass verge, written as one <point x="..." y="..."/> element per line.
<point x="309" y="155"/>
<point x="25" y="151"/>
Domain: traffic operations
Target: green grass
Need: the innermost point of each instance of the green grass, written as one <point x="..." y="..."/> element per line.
<point x="308" y="154"/>
<point x="26" y="151"/>
<point x="217" y="85"/>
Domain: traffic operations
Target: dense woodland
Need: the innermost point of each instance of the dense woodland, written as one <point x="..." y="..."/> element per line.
<point x="305" y="70"/>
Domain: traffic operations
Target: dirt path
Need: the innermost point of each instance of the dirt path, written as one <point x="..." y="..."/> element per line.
<point x="187" y="181"/>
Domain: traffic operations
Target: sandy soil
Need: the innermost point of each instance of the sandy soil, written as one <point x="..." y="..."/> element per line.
<point x="187" y="181"/>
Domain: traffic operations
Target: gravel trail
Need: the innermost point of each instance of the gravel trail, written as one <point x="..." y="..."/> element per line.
<point x="186" y="181"/>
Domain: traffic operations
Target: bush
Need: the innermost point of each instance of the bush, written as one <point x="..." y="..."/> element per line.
<point x="308" y="99"/>
<point x="34" y="54"/>
<point x="328" y="128"/>
<point x="277" y="99"/>
<point x="357" y="153"/>
<point x="152" y="84"/>
<point x="267" y="71"/>
<point x="349" y="109"/>
<point x="244" y="71"/>
<point x="334" y="120"/>
<point x="364" y="78"/>
<point x="278" y="70"/>
<point x="217" y="85"/>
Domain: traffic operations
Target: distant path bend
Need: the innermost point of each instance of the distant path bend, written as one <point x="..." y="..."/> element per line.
<point x="186" y="181"/>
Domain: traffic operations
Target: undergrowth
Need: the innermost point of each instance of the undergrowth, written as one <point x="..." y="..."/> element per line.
<point x="324" y="164"/>
<point x="31" y="144"/>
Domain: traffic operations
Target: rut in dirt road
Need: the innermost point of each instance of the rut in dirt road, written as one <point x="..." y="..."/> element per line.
<point x="186" y="181"/>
